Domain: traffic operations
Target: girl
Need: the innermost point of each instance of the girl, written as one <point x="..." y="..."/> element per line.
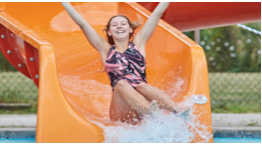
<point x="124" y="62"/>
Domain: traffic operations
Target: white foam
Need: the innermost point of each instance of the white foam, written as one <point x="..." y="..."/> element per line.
<point x="163" y="128"/>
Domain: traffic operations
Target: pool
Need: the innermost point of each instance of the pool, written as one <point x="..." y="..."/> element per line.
<point x="237" y="140"/>
<point x="216" y="140"/>
<point x="18" y="140"/>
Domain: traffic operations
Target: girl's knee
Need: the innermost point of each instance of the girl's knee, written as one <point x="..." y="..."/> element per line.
<point x="141" y="86"/>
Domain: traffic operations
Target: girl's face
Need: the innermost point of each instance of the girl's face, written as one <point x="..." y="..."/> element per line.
<point x="119" y="28"/>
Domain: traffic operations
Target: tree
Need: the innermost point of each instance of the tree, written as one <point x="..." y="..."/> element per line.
<point x="231" y="48"/>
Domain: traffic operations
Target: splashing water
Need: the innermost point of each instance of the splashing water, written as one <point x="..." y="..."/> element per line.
<point x="158" y="130"/>
<point x="162" y="128"/>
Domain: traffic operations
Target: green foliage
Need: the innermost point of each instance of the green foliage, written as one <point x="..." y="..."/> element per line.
<point x="5" y="65"/>
<point x="231" y="48"/>
<point x="31" y="110"/>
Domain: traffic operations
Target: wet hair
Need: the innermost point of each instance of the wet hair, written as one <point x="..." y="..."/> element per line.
<point x="133" y="25"/>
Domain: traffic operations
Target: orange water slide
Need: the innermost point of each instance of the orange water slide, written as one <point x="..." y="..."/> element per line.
<point x="43" y="43"/>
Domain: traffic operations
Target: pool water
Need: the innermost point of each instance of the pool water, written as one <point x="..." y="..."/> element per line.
<point x="18" y="140"/>
<point x="237" y="140"/>
<point x="216" y="140"/>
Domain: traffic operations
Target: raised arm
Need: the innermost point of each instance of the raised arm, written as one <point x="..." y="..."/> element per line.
<point x="99" y="43"/>
<point x="145" y="33"/>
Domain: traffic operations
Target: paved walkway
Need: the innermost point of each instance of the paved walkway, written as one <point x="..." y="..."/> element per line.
<point x="18" y="121"/>
<point x="224" y="125"/>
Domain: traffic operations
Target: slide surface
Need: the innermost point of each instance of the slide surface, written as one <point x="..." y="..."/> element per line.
<point x="74" y="90"/>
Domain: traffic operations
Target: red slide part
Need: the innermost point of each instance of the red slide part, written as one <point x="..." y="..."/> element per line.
<point x="187" y="16"/>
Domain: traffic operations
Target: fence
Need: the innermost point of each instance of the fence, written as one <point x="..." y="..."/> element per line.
<point x="235" y="92"/>
<point x="18" y="94"/>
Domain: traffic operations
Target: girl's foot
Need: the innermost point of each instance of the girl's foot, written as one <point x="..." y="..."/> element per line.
<point x="185" y="114"/>
<point x="154" y="108"/>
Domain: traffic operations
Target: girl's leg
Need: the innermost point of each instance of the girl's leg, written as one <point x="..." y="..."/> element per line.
<point x="153" y="93"/>
<point x="127" y="104"/>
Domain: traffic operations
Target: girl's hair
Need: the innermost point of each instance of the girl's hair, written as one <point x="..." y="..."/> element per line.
<point x="133" y="25"/>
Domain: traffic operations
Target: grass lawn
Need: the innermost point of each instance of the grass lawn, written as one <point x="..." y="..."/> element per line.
<point x="230" y="92"/>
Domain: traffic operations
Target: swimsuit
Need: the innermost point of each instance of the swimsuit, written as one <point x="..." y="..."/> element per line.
<point x="129" y="66"/>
